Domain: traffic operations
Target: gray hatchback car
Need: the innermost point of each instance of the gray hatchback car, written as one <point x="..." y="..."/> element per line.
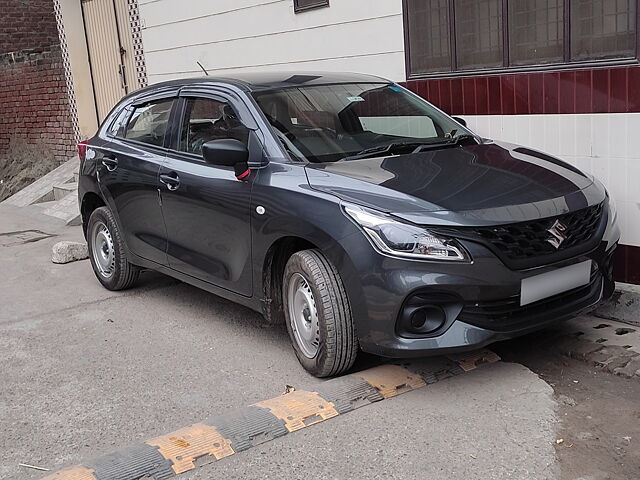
<point x="346" y="207"/>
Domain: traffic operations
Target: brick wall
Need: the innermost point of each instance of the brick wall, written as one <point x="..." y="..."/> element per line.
<point x="27" y="24"/>
<point x="33" y="95"/>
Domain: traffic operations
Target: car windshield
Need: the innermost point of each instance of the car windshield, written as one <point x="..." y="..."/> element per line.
<point x="328" y="123"/>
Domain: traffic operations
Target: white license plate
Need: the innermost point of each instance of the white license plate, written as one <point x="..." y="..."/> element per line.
<point x="552" y="283"/>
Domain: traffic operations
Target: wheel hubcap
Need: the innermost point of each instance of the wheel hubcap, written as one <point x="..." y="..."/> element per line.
<point x="303" y="316"/>
<point x="103" y="252"/>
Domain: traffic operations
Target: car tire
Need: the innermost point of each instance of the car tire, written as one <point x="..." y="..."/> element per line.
<point x="107" y="252"/>
<point x="318" y="315"/>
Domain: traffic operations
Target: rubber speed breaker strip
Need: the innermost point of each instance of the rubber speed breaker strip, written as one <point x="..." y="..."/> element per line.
<point x="219" y="437"/>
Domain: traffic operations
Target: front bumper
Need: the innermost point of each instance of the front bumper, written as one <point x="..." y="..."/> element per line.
<point x="462" y="336"/>
<point x="485" y="291"/>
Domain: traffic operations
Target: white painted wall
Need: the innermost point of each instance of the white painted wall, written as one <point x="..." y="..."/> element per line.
<point x="364" y="36"/>
<point x="602" y="144"/>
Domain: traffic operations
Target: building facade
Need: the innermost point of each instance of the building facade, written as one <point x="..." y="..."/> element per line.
<point x="557" y="75"/>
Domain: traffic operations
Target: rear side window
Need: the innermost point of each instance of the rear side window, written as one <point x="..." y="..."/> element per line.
<point x="118" y="126"/>
<point x="148" y="122"/>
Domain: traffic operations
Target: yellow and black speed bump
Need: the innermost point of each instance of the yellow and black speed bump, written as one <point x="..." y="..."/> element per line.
<point x="133" y="462"/>
<point x="248" y="427"/>
<point x="348" y="393"/>
<point x="219" y="437"/>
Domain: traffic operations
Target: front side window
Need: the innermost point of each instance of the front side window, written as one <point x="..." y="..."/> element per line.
<point x="330" y="122"/>
<point x="208" y="119"/>
<point x="148" y="122"/>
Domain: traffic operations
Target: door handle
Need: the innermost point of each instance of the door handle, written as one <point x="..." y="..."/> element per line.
<point x="171" y="180"/>
<point x="111" y="163"/>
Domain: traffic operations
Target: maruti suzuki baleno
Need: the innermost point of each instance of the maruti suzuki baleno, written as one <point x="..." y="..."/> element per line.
<point x="346" y="207"/>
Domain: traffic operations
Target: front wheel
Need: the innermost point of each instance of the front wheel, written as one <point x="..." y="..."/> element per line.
<point x="318" y="315"/>
<point x="107" y="253"/>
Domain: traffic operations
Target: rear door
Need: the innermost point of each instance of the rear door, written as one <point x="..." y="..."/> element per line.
<point x="206" y="209"/>
<point x="129" y="165"/>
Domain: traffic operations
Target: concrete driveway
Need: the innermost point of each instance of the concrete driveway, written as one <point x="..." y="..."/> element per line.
<point x="86" y="372"/>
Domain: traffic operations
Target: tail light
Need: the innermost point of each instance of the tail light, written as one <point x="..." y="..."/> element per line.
<point x="82" y="150"/>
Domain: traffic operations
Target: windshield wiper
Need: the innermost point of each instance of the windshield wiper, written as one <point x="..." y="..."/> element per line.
<point x="449" y="142"/>
<point x="388" y="148"/>
<point x="420" y="146"/>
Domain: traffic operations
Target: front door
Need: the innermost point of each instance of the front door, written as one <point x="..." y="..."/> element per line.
<point x="128" y="176"/>
<point x="206" y="209"/>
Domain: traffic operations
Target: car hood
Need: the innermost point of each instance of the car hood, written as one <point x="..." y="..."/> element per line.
<point x="478" y="184"/>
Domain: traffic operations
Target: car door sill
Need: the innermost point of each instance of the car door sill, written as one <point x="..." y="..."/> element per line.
<point x="248" y="301"/>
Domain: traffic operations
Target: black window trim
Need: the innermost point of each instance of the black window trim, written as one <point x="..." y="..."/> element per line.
<point x="566" y="64"/>
<point x="148" y="146"/>
<point x="174" y="143"/>
<point x="317" y="4"/>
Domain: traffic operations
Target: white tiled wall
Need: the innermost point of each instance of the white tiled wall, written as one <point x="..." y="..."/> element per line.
<point x="606" y="145"/>
<point x="364" y="36"/>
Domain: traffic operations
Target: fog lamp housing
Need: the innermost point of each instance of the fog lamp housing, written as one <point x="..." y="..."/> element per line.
<point x="426" y="315"/>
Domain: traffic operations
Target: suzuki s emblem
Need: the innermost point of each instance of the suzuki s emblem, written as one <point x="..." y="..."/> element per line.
<point x="558" y="235"/>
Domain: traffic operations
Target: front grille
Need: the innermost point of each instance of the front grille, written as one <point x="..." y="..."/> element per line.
<point x="507" y="314"/>
<point x="527" y="244"/>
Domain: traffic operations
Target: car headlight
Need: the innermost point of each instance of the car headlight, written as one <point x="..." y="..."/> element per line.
<point x="402" y="239"/>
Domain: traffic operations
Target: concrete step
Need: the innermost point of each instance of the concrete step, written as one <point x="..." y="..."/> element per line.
<point x="54" y="194"/>
<point x="62" y="190"/>
<point x="46" y="204"/>
<point x="66" y="209"/>
<point x="41" y="189"/>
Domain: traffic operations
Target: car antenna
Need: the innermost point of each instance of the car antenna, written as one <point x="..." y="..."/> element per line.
<point x="203" y="69"/>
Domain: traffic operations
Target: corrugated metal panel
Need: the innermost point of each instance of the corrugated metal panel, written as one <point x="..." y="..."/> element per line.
<point x="126" y="41"/>
<point x="107" y="27"/>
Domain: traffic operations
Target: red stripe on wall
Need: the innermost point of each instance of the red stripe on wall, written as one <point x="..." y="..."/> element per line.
<point x="625" y="264"/>
<point x="602" y="90"/>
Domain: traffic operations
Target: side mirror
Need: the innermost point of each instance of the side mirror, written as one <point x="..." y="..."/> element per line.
<point x="228" y="153"/>
<point x="461" y="121"/>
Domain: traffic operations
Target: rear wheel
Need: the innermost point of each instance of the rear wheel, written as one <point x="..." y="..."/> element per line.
<point x="318" y="315"/>
<point x="107" y="253"/>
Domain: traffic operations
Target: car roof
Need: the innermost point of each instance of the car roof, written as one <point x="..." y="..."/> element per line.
<point x="257" y="81"/>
